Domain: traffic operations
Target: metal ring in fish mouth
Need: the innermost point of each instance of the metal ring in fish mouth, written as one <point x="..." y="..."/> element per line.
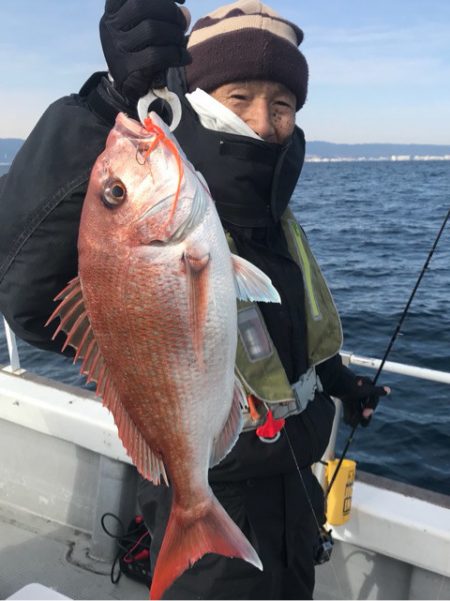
<point x="164" y="94"/>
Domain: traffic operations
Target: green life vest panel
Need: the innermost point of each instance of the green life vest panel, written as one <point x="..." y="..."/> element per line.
<point x="322" y="318"/>
<point x="258" y="364"/>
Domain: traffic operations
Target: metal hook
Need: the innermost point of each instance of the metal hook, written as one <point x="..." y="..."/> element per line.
<point x="164" y="94"/>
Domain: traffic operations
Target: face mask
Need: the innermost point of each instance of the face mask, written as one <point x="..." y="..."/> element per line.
<point x="251" y="181"/>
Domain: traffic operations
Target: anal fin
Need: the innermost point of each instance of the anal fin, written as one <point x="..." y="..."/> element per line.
<point x="148" y="464"/>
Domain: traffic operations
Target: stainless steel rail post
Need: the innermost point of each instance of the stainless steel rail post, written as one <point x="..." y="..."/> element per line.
<point x="319" y="469"/>
<point x="14" y="361"/>
<point x="116" y="494"/>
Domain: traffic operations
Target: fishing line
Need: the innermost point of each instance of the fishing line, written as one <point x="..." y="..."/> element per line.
<point x="391" y="343"/>
<point x="319" y="526"/>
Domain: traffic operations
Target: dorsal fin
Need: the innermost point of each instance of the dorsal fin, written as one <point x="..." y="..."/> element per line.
<point x="74" y="322"/>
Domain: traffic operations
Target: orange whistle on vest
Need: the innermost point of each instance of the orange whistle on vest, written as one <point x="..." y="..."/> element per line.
<point x="271" y="427"/>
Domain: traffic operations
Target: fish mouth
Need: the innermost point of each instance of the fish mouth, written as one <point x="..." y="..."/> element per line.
<point x="130" y="127"/>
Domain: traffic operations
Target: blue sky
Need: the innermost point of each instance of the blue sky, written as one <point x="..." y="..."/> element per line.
<point x="379" y="70"/>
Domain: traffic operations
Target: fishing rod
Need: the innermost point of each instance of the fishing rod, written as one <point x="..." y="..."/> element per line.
<point x="391" y="343"/>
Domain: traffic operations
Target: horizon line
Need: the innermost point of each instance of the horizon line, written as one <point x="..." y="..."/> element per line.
<point x="322" y="142"/>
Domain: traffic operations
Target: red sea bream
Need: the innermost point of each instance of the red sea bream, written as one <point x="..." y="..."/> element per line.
<point x="152" y="315"/>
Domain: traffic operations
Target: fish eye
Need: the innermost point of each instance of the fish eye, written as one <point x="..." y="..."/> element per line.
<point x="114" y="193"/>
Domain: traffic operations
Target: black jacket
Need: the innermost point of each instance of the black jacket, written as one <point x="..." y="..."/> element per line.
<point x="40" y="206"/>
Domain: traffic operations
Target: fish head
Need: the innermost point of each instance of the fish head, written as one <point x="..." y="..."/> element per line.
<point x="142" y="189"/>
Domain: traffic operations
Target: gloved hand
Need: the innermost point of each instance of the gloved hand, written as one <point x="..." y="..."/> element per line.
<point x="361" y="401"/>
<point x="141" y="39"/>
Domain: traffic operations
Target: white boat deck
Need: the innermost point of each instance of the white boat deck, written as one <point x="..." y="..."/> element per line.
<point x="36" y="550"/>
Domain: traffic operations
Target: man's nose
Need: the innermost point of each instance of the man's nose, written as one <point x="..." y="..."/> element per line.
<point x="261" y="120"/>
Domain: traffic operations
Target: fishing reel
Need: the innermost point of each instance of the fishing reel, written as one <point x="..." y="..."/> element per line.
<point x="323" y="547"/>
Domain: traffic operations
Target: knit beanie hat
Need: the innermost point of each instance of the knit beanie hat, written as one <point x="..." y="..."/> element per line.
<point x="243" y="41"/>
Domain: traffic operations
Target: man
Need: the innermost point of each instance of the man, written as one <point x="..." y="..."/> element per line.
<point x="239" y="131"/>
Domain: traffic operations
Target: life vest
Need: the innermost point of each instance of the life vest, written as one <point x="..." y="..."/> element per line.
<point x="258" y="366"/>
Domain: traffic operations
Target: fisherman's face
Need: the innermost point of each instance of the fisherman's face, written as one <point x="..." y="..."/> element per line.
<point x="265" y="106"/>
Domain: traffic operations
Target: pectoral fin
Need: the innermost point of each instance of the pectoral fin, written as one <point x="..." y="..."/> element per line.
<point x="197" y="262"/>
<point x="252" y="284"/>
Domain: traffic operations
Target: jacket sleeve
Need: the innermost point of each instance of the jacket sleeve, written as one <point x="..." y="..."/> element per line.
<point x="336" y="378"/>
<point x="40" y="206"/>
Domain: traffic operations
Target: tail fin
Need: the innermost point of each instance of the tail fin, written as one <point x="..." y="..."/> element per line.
<point x="188" y="538"/>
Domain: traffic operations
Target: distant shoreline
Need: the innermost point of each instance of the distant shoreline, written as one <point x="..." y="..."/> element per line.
<point x="317" y="151"/>
<point x="393" y="159"/>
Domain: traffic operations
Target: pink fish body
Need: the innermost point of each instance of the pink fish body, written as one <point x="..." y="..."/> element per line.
<point x="153" y="316"/>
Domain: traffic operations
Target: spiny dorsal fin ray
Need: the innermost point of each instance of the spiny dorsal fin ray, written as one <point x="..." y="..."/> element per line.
<point x="77" y="331"/>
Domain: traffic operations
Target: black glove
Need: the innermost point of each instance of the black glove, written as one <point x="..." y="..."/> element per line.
<point x="362" y="394"/>
<point x="141" y="39"/>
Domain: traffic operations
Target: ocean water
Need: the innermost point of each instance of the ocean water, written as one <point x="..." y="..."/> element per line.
<point x="371" y="225"/>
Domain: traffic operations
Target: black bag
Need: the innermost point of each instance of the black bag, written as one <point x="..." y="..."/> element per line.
<point x="133" y="557"/>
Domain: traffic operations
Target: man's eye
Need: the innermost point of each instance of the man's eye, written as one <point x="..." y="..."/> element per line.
<point x="283" y="108"/>
<point x="284" y="104"/>
<point x="238" y="97"/>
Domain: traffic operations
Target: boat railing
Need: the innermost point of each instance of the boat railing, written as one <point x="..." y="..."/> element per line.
<point x="397" y="368"/>
<point x="348" y="359"/>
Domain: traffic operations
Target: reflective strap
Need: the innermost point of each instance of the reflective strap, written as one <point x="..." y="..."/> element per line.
<point x="306" y="268"/>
